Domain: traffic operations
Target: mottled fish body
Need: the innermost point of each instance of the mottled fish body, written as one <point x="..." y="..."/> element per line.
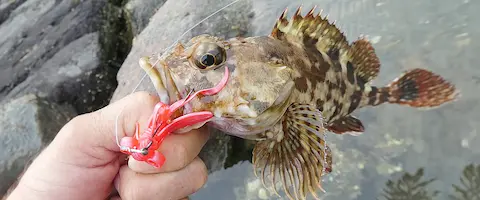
<point x="288" y="89"/>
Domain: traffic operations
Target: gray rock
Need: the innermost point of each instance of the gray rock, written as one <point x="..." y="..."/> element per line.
<point x="6" y="7"/>
<point x="140" y="11"/>
<point x="51" y="50"/>
<point x="168" y="23"/>
<point x="33" y="36"/>
<point x="28" y="124"/>
<point x="215" y="151"/>
<point x="72" y="75"/>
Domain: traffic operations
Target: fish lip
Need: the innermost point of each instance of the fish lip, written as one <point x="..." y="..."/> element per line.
<point x="156" y="76"/>
<point x="171" y="93"/>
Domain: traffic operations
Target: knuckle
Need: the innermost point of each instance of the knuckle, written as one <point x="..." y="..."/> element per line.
<point x="78" y="119"/>
<point x="141" y="94"/>
<point x="181" y="152"/>
<point x="135" y="193"/>
<point x="145" y="98"/>
<point x="128" y="186"/>
<point x="72" y="127"/>
<point x="200" y="170"/>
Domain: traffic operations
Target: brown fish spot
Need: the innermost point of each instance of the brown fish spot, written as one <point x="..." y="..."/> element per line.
<point x="372" y="96"/>
<point x="384" y="96"/>
<point x="301" y="83"/>
<point x="320" y="105"/>
<point x="333" y="53"/>
<point x="361" y="84"/>
<point x="350" y="73"/>
<point x="355" y="100"/>
<point x="373" y="92"/>
<point x="320" y="66"/>
<point x="342" y="87"/>
<point x="329" y="96"/>
<point x="331" y="86"/>
<point x="338" y="107"/>
<point x="408" y="90"/>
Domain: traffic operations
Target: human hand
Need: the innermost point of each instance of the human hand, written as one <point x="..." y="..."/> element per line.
<point x="84" y="161"/>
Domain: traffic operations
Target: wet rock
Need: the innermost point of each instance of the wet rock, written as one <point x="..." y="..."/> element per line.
<point x="168" y="23"/>
<point x="28" y="124"/>
<point x="43" y="37"/>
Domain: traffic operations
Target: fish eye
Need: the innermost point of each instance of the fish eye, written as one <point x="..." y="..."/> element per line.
<point x="208" y="56"/>
<point x="207" y="60"/>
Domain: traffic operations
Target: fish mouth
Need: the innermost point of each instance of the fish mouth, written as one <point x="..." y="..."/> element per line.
<point x="162" y="80"/>
<point x="169" y="84"/>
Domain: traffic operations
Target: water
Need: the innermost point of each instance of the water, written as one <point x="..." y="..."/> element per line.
<point x="442" y="36"/>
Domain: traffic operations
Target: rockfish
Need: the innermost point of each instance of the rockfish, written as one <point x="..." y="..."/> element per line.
<point x="288" y="89"/>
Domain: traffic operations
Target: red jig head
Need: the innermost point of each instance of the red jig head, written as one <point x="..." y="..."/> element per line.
<point x="143" y="147"/>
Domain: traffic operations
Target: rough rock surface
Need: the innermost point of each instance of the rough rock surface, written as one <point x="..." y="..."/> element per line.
<point x="40" y="37"/>
<point x="140" y="11"/>
<point x="75" y="68"/>
<point x="169" y="22"/>
<point x="51" y="49"/>
<point x="28" y="124"/>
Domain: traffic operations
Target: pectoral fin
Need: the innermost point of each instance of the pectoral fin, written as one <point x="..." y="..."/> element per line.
<point x="295" y="151"/>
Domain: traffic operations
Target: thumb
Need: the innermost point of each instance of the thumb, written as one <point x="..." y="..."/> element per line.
<point x="95" y="134"/>
<point x="132" y="109"/>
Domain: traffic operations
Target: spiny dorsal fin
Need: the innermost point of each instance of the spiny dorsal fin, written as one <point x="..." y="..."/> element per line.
<point x="347" y="124"/>
<point x="327" y="38"/>
<point x="295" y="152"/>
<point x="364" y="59"/>
<point x="313" y="29"/>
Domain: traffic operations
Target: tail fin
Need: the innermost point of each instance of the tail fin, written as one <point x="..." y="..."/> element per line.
<point x="416" y="88"/>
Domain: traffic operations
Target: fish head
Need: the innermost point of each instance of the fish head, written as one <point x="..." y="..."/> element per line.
<point x="255" y="97"/>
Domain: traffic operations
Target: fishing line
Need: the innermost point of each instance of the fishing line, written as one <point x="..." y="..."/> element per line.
<point x="156" y="62"/>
